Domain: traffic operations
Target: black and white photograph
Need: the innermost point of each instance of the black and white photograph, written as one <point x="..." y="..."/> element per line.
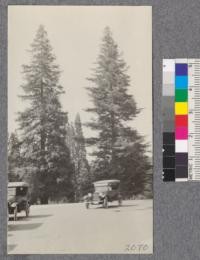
<point x="79" y="148"/>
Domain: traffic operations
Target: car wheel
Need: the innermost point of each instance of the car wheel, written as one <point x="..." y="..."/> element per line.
<point x="120" y="202"/>
<point x="8" y="214"/>
<point x="87" y="205"/>
<point x="27" y="210"/>
<point x="15" y="213"/>
<point x="105" y="202"/>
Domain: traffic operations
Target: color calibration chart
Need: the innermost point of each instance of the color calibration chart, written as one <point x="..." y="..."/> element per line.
<point x="181" y="120"/>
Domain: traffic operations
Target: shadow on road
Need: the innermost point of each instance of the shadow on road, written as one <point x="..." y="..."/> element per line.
<point x="145" y="208"/>
<point x="17" y="226"/>
<point x="11" y="247"/>
<point x="18" y="218"/>
<point x="30" y="217"/>
<point x="113" y="206"/>
<point x="41" y="216"/>
<point x="124" y="206"/>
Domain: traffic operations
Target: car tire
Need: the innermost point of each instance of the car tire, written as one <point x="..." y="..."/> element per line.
<point x="27" y="211"/>
<point x="105" y="203"/>
<point x="15" y="213"/>
<point x="8" y="214"/>
<point x="120" y="202"/>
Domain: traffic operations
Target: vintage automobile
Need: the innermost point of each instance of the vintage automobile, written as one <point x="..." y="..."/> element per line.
<point x="105" y="191"/>
<point x="18" y="198"/>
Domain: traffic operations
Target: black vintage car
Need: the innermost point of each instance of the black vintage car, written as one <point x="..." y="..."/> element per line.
<point x="18" y="198"/>
<point x="105" y="191"/>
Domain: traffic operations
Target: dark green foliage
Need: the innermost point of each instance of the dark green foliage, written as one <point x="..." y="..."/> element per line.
<point x="120" y="151"/>
<point x="81" y="164"/>
<point x="148" y="189"/>
<point x="46" y="158"/>
<point x="135" y="171"/>
<point x="14" y="158"/>
<point x="76" y="143"/>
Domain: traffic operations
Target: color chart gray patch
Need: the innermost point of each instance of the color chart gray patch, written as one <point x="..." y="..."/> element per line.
<point x="168" y="108"/>
<point x="168" y="90"/>
<point x="168" y="125"/>
<point x="168" y="78"/>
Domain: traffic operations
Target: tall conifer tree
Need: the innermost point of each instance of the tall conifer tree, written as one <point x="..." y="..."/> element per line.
<point x="120" y="151"/>
<point x="43" y="124"/>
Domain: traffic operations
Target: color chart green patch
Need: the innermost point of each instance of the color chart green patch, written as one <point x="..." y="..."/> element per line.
<point x="181" y="95"/>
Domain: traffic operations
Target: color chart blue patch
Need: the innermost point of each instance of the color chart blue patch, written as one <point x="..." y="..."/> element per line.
<point x="181" y="69"/>
<point x="181" y="82"/>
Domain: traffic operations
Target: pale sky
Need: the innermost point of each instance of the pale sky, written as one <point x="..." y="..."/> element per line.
<point x="75" y="33"/>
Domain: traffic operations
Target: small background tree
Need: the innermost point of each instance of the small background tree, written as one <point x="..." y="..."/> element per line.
<point x="14" y="158"/>
<point x="76" y="143"/>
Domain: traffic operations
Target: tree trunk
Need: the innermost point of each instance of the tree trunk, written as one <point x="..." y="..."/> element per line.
<point x="113" y="159"/>
<point x="44" y="200"/>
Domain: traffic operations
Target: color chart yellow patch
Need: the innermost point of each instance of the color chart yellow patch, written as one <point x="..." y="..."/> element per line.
<point x="181" y="108"/>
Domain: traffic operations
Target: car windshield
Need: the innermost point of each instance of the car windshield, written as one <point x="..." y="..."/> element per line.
<point x="101" y="188"/>
<point x="21" y="191"/>
<point x="11" y="192"/>
<point x="114" y="186"/>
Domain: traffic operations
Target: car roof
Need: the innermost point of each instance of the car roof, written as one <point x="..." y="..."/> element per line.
<point x="17" y="184"/>
<point x="105" y="182"/>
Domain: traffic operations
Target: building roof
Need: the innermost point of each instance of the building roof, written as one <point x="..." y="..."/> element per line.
<point x="17" y="184"/>
<point x="105" y="182"/>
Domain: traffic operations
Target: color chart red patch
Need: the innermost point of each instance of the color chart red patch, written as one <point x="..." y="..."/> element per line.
<point x="181" y="120"/>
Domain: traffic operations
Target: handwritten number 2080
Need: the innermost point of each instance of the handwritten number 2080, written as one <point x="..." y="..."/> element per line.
<point x="136" y="247"/>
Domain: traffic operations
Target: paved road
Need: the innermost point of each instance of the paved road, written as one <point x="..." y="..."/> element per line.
<point x="70" y="228"/>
